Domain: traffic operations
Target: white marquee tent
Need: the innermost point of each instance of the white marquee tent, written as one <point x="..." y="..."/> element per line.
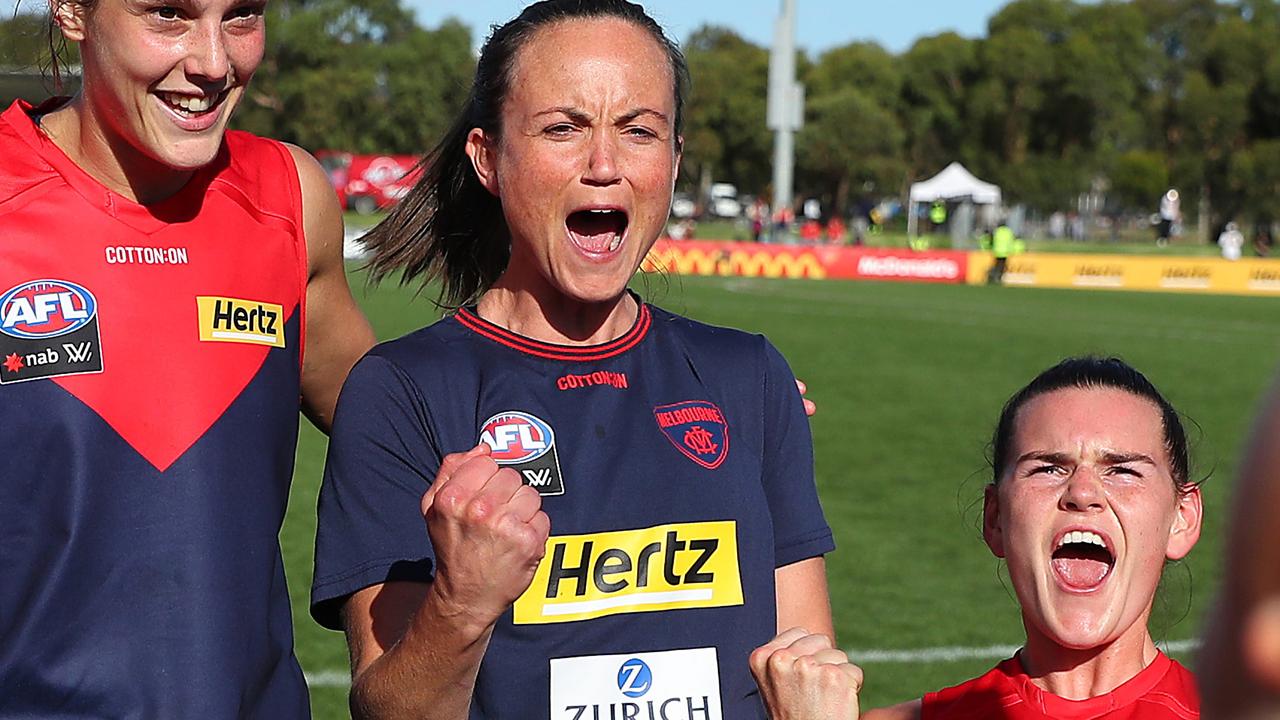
<point x="953" y="184"/>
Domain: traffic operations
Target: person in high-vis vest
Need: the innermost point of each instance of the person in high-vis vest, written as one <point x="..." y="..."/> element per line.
<point x="938" y="214"/>
<point x="1003" y="244"/>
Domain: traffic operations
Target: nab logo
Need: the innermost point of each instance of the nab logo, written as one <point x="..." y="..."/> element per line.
<point x="634" y="678"/>
<point x="516" y="437"/>
<point x="528" y="445"/>
<point x="44" y="309"/>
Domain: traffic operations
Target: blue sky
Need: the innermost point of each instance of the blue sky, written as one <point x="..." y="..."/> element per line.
<point x="820" y="24"/>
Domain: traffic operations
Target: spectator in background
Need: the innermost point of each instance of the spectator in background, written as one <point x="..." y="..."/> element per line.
<point x="759" y="216"/>
<point x="1231" y="240"/>
<point x="811" y="231"/>
<point x="1262" y="241"/>
<point x="836" y="230"/>
<point x="1003" y="244"/>
<point x="938" y="215"/>
<point x="1168" y="217"/>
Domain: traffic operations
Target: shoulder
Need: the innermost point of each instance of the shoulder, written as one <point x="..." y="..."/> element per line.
<point x="909" y="710"/>
<point x="983" y="696"/>
<point x="21" y="167"/>
<point x="264" y="158"/>
<point x="428" y="352"/>
<point x="1176" y="694"/>
<point x="701" y="335"/>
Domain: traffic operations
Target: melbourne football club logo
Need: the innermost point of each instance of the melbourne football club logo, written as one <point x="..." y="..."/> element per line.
<point x="527" y="444"/>
<point x="697" y="428"/>
<point x="48" y="328"/>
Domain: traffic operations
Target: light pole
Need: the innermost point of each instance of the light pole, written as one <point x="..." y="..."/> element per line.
<point x="785" y="111"/>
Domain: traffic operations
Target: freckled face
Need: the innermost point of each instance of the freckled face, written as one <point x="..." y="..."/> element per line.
<point x="1087" y="514"/>
<point x="163" y="77"/>
<point x="587" y="158"/>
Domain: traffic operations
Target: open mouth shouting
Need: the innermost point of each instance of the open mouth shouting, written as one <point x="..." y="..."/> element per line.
<point x="597" y="231"/>
<point x="1082" y="559"/>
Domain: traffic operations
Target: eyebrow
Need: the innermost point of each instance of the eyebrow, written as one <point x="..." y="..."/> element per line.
<point x="1110" y="458"/>
<point x="1113" y="458"/>
<point x="1051" y="457"/>
<point x="581" y="116"/>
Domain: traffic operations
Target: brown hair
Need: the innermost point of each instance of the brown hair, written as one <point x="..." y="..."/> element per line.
<point x="449" y="227"/>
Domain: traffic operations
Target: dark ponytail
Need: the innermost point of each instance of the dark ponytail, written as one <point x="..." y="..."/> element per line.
<point x="450" y="227"/>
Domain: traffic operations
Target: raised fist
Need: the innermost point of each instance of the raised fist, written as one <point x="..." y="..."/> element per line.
<point x="803" y="677"/>
<point x="488" y="531"/>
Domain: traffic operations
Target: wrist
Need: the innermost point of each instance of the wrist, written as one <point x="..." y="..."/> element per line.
<point x="441" y="610"/>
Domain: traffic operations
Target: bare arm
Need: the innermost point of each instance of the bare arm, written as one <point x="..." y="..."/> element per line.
<point x="802" y="597"/>
<point x="410" y="657"/>
<point x="337" y="333"/>
<point x="416" y="648"/>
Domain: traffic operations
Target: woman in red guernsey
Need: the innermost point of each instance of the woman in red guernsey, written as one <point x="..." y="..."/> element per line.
<point x="159" y="277"/>
<point x="1089" y="498"/>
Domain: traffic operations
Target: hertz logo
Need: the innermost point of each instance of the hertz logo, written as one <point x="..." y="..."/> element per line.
<point x="241" y="321"/>
<point x="667" y="567"/>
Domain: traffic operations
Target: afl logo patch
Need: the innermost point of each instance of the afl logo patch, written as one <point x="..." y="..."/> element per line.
<point x="528" y="444"/>
<point x="48" y="328"/>
<point x="46" y="309"/>
<point x="697" y="428"/>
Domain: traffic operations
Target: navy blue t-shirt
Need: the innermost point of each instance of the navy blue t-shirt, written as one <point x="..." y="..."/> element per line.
<point x="675" y="464"/>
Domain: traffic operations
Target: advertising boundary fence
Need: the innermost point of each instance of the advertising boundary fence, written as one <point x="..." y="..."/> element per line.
<point x="1251" y="276"/>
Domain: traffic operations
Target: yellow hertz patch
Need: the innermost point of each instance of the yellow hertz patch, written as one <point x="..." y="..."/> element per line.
<point x="667" y="567"/>
<point x="225" y="319"/>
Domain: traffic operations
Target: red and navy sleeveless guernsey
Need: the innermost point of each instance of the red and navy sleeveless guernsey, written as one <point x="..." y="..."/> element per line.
<point x="1164" y="690"/>
<point x="149" y="370"/>
<point x="675" y="463"/>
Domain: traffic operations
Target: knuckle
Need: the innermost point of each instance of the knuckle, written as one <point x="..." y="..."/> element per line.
<point x="781" y="659"/>
<point x="479" y="510"/>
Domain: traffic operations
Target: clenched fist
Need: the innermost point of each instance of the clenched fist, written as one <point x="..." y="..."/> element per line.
<point x="803" y="677"/>
<point x="489" y="533"/>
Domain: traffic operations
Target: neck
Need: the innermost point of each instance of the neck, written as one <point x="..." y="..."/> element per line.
<point x="557" y="319"/>
<point x="84" y="137"/>
<point x="1090" y="672"/>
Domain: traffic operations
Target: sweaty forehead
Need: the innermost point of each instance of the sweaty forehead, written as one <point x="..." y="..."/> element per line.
<point x="591" y="60"/>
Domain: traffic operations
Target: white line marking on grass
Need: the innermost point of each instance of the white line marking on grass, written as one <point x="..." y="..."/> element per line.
<point x="991" y="652"/>
<point x="342" y="678"/>
<point x="329" y="678"/>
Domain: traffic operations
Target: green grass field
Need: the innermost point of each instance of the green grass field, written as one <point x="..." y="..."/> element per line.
<point x="909" y="379"/>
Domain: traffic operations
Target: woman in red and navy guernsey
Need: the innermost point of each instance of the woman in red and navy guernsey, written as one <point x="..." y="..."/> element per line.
<point x="619" y="502"/>
<point x="160" y="279"/>
<point x="1090" y="497"/>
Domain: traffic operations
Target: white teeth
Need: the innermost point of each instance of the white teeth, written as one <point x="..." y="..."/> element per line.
<point x="1085" y="536"/>
<point x="188" y="103"/>
<point x="617" y="242"/>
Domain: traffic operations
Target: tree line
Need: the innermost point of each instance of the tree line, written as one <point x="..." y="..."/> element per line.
<point x="1059" y="98"/>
